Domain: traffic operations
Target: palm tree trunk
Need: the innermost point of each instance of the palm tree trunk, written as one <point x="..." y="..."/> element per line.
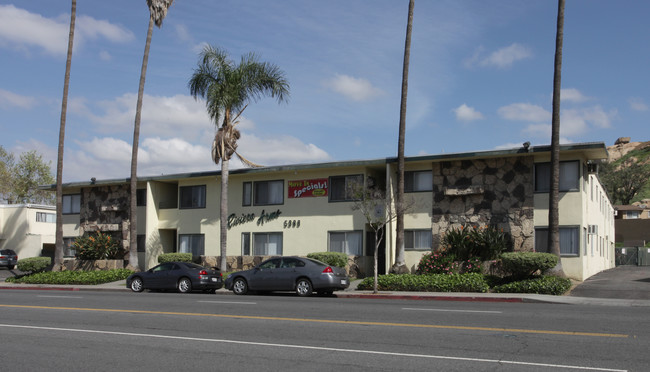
<point x="224" y="214"/>
<point x="133" y="211"/>
<point x="58" y="250"/>
<point x="399" y="265"/>
<point x="554" y="194"/>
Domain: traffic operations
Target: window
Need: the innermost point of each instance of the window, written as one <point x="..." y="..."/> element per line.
<point x="71" y="204"/>
<point x="267" y="244"/>
<point x="348" y="242"/>
<point x="417" y="240"/>
<point x="192" y="196"/>
<point x="45" y="217"/>
<point x="141" y="197"/>
<point x="342" y="188"/>
<point x="141" y="242"/>
<point x="569" y="176"/>
<point x="246" y="197"/>
<point x="245" y="244"/>
<point x="632" y="215"/>
<point x="418" y="181"/>
<point x="569" y="240"/>
<point x="68" y="249"/>
<point x="191" y="243"/>
<point x="268" y="192"/>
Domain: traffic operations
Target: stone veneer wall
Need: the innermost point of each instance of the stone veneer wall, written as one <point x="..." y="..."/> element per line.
<point x="106" y="209"/>
<point x="483" y="192"/>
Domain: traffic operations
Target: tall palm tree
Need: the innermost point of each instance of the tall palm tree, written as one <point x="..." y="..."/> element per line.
<point x="157" y="12"/>
<point x="58" y="242"/>
<point x="399" y="265"/>
<point x="228" y="87"/>
<point x="554" y="193"/>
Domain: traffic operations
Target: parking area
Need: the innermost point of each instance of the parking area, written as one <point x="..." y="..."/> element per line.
<point x="621" y="282"/>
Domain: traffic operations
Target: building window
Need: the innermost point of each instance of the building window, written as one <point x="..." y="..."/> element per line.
<point x="191" y="243"/>
<point x="141" y="197"/>
<point x="343" y="188"/>
<point x="569" y="176"/>
<point x="569" y="240"/>
<point x="267" y="244"/>
<point x="192" y="196"/>
<point x="632" y="215"/>
<point x="418" y="181"/>
<point x="45" y="217"/>
<point x="268" y="192"/>
<point x="71" y="204"/>
<point x="348" y="242"/>
<point x="417" y="240"/>
<point x="247" y="195"/>
<point x="68" y="248"/>
<point x="245" y="244"/>
<point x="141" y="242"/>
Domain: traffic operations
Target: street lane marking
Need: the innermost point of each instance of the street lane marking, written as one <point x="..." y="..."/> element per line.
<point x="453" y="311"/>
<point x="228" y="302"/>
<point x="59" y="296"/>
<point x="318" y="348"/>
<point x="347" y="322"/>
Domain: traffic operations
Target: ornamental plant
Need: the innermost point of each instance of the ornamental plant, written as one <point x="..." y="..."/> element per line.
<point x="438" y="263"/>
<point x="98" y="246"/>
<point x="468" y="242"/>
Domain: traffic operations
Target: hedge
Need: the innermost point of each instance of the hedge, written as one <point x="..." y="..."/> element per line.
<point x="471" y="282"/>
<point x="523" y="265"/>
<point x="550" y="285"/>
<point x="171" y="257"/>
<point x="337" y="259"/>
<point x="34" y="264"/>
<point x="74" y="277"/>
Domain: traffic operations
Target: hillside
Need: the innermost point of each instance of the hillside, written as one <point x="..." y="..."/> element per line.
<point x="624" y="150"/>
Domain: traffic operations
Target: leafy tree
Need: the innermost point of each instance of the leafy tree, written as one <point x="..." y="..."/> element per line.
<point x="7" y="163"/>
<point x="157" y="12"/>
<point x="228" y="88"/>
<point x="624" y="180"/>
<point x="20" y="181"/>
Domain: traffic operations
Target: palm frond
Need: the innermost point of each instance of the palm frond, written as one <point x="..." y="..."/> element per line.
<point x="247" y="162"/>
<point x="158" y="10"/>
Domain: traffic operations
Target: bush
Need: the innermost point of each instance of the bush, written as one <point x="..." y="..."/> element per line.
<point x="97" y="247"/>
<point x="171" y="257"/>
<point x="523" y="265"/>
<point x="437" y="263"/>
<point x="550" y="285"/>
<point x="427" y="283"/>
<point x="34" y="264"/>
<point x="468" y="242"/>
<point x="337" y="259"/>
<point x="74" y="277"/>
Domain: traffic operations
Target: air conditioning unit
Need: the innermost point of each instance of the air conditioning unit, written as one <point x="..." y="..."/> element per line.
<point x="592" y="229"/>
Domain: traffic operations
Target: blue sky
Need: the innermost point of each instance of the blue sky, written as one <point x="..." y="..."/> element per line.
<point x="480" y="78"/>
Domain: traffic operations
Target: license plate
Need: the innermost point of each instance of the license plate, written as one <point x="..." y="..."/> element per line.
<point x="214" y="279"/>
<point x="343" y="281"/>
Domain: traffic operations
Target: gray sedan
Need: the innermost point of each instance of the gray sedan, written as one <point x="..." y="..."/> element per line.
<point x="303" y="275"/>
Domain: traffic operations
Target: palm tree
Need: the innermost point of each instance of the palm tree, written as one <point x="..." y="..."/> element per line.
<point x="157" y="12"/>
<point x="228" y="88"/>
<point x="399" y="265"/>
<point x="58" y="250"/>
<point x="554" y="194"/>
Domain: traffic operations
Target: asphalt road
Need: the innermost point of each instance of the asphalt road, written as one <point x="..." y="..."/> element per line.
<point x="102" y="331"/>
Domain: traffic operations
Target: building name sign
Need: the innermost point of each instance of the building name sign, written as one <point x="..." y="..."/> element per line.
<point x="308" y="188"/>
<point x="235" y="220"/>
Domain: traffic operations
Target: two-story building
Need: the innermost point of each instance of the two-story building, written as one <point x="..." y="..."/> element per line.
<point x="303" y="208"/>
<point x="28" y="229"/>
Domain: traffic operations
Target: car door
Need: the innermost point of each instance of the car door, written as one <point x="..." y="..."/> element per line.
<point x="287" y="273"/>
<point x="159" y="276"/>
<point x="263" y="277"/>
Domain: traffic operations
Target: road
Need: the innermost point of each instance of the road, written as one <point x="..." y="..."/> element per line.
<point x="102" y="331"/>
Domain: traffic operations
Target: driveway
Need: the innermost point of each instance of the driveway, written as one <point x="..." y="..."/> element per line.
<point x="622" y="282"/>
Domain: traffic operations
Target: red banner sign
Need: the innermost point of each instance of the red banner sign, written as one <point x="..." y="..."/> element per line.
<point x="308" y="188"/>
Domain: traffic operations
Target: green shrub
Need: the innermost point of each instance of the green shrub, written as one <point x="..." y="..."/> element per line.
<point x="550" y="285"/>
<point x="337" y="259"/>
<point x="523" y="265"/>
<point x="427" y="283"/>
<point x="74" y="277"/>
<point x="171" y="257"/>
<point x="97" y="247"/>
<point x="437" y="263"/>
<point x="34" y="264"/>
<point x="468" y="242"/>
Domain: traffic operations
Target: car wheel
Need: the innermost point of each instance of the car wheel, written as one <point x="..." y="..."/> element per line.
<point x="184" y="285"/>
<point x="303" y="287"/>
<point x="137" y="285"/>
<point x="239" y="286"/>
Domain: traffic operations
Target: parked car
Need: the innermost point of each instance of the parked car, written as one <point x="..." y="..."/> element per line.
<point x="8" y="258"/>
<point x="303" y="275"/>
<point x="183" y="276"/>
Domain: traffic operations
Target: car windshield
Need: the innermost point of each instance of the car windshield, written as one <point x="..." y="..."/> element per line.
<point x="8" y="252"/>
<point x="319" y="263"/>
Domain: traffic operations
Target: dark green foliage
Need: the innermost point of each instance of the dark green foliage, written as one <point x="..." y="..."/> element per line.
<point x="337" y="259"/>
<point x="34" y="264"/>
<point x="171" y="257"/>
<point x="467" y="242"/>
<point x="98" y="246"/>
<point x="428" y="283"/>
<point x="627" y="179"/>
<point x="549" y="285"/>
<point x="522" y="265"/>
<point x="74" y="277"/>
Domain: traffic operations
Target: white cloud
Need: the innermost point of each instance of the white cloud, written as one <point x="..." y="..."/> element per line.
<point x="279" y="150"/>
<point x="9" y="99"/>
<point x="467" y="114"/>
<point x="524" y="112"/>
<point x="637" y="104"/>
<point x="182" y="32"/>
<point x="91" y="28"/>
<point x="574" y="122"/>
<point x="105" y="56"/>
<point x="357" y="89"/>
<point x="501" y="58"/>
<point x="572" y="95"/>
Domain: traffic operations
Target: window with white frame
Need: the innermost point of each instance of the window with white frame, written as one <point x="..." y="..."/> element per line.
<point x="267" y="244"/>
<point x="348" y="242"/>
<point x="632" y="215"/>
<point x="569" y="176"/>
<point x="268" y="192"/>
<point x="192" y="197"/>
<point x="45" y="217"/>
<point x="191" y="243"/>
<point x="247" y="194"/>
<point x="343" y="188"/>
<point x="71" y="204"/>
<point x="417" y="240"/>
<point x="416" y="181"/>
<point x="245" y="244"/>
<point x="569" y="240"/>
